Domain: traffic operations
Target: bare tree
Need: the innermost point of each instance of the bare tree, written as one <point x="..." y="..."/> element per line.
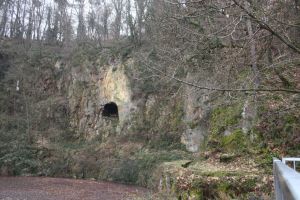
<point x="4" y="20"/>
<point x="91" y="24"/>
<point x="17" y="26"/>
<point x="104" y="19"/>
<point x="81" y="28"/>
<point x="40" y="18"/>
<point x="253" y="54"/>
<point x="130" y="22"/>
<point x="117" y="25"/>
<point x="140" y="6"/>
<point x="49" y="36"/>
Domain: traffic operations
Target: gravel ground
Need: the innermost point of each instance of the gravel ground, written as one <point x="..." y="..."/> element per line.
<point x="42" y="188"/>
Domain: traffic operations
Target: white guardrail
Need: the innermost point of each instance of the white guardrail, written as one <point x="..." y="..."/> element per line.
<point x="286" y="179"/>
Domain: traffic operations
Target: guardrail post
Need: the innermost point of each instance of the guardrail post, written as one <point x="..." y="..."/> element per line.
<point x="278" y="192"/>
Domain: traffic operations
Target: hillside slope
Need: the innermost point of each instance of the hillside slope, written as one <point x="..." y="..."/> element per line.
<point x="102" y="113"/>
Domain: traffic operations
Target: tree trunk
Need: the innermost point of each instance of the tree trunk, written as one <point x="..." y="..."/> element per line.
<point x="23" y="17"/>
<point x="252" y="50"/>
<point x="4" y="20"/>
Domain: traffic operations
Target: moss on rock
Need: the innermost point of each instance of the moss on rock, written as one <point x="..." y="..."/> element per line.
<point x="235" y="142"/>
<point x="224" y="117"/>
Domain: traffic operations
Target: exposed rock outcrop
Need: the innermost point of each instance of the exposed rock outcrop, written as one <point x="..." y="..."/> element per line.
<point x="88" y="89"/>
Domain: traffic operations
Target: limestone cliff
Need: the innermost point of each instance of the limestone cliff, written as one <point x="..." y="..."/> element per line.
<point x="88" y="89"/>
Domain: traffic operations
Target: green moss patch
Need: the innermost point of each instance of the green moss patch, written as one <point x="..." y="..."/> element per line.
<point x="235" y="142"/>
<point x="224" y="117"/>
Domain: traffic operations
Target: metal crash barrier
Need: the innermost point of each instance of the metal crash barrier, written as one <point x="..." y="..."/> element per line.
<point x="286" y="179"/>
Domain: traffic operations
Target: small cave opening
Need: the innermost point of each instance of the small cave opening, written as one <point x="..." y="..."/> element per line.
<point x="110" y="110"/>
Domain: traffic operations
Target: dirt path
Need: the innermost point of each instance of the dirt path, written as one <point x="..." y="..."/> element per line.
<point x="42" y="188"/>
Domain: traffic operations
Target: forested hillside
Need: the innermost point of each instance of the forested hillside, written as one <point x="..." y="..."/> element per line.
<point x="189" y="98"/>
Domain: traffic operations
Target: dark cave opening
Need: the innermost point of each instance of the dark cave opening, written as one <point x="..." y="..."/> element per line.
<point x="110" y="110"/>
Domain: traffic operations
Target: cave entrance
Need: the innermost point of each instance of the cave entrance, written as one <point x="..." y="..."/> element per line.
<point x="110" y="110"/>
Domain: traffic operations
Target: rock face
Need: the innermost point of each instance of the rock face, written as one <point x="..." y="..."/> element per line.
<point x="192" y="138"/>
<point x="91" y="89"/>
<point x="248" y="115"/>
<point x="115" y="88"/>
<point x="88" y="90"/>
<point x="196" y="117"/>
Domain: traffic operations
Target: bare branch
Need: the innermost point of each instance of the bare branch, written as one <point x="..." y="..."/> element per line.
<point x="173" y="77"/>
<point x="268" y="28"/>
